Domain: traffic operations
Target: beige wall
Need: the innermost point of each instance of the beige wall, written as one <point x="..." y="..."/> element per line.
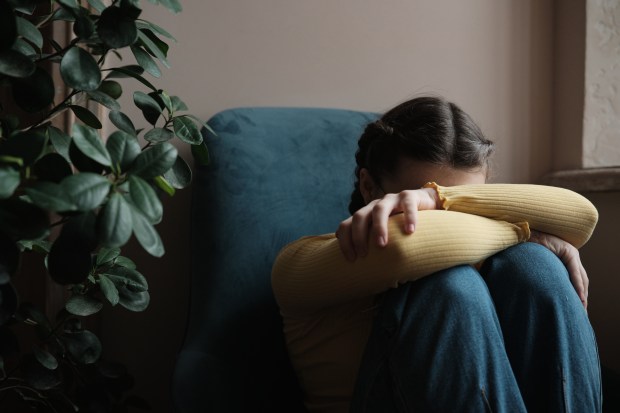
<point x="494" y="58"/>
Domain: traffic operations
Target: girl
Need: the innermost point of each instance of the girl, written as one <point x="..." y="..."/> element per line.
<point x="428" y="298"/>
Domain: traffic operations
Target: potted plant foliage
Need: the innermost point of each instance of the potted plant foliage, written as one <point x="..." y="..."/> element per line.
<point x="75" y="196"/>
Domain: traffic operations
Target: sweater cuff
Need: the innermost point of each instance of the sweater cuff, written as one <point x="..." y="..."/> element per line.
<point x="445" y="203"/>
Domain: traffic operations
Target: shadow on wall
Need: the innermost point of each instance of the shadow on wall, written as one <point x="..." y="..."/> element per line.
<point x="599" y="258"/>
<point x="611" y="391"/>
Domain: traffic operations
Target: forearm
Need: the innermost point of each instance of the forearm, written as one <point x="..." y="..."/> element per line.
<point x="553" y="210"/>
<point x="312" y="274"/>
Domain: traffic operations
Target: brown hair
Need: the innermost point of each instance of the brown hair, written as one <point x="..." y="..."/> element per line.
<point x="428" y="129"/>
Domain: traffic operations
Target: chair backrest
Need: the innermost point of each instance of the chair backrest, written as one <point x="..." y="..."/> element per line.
<point x="276" y="174"/>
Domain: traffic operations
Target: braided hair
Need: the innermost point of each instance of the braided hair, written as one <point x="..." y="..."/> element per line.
<point x="426" y="129"/>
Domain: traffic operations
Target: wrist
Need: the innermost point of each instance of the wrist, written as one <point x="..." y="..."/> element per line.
<point x="434" y="197"/>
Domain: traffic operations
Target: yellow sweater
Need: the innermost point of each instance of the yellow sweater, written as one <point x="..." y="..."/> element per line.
<point x="328" y="303"/>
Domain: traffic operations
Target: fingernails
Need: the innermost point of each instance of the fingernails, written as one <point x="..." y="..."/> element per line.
<point x="382" y="241"/>
<point x="410" y="228"/>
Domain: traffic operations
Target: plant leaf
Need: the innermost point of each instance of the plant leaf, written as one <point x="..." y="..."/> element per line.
<point x="24" y="48"/>
<point x="143" y="24"/>
<point x="46" y="359"/>
<point x="111" y="88"/>
<point x="50" y="196"/>
<point x="36" y="245"/>
<point x="86" y="116"/>
<point x="163" y="96"/>
<point x="89" y="143"/>
<point x="106" y="255"/>
<point x="134" y="301"/>
<point x="28" y="146"/>
<point x="31" y="315"/>
<point x="201" y="154"/>
<point x="146" y="61"/>
<point x="70" y="3"/>
<point x="29" y="31"/>
<point x="123" y="122"/>
<point x="83" y="345"/>
<point x="149" y="106"/>
<point x="172" y="5"/>
<point x="82" y="162"/>
<point x="80" y="70"/>
<point x="186" y="130"/>
<point x="180" y="175"/>
<point x="15" y="64"/>
<point x="24" y="6"/>
<point x="9" y="181"/>
<point x="116" y="28"/>
<point x="154" y="45"/>
<point x="128" y="278"/>
<point x="177" y="104"/>
<point x="125" y="262"/>
<point x="115" y="222"/>
<point x="108" y="289"/>
<point x="164" y="185"/>
<point x="144" y="198"/>
<point x="154" y="161"/>
<point x="38" y="377"/>
<point x="125" y="72"/>
<point x="97" y="5"/>
<point x="87" y="190"/>
<point x="52" y="167"/>
<point x="60" y="141"/>
<point x="35" y="92"/>
<point x="146" y="234"/>
<point x="84" y="27"/>
<point x="123" y="148"/>
<point x="83" y="305"/>
<point x="104" y="99"/>
<point x="159" y="135"/>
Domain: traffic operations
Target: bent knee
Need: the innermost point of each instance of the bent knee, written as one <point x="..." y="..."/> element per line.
<point x="461" y="286"/>
<point x="527" y="267"/>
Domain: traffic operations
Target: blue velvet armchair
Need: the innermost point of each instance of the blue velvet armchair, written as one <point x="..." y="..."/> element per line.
<point x="276" y="174"/>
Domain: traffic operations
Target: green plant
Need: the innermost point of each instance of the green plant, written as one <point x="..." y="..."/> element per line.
<point x="76" y="196"/>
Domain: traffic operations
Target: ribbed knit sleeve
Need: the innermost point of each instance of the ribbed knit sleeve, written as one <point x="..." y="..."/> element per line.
<point x="312" y="274"/>
<point x="556" y="211"/>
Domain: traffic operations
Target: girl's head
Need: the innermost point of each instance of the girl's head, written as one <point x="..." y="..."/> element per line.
<point x="423" y="139"/>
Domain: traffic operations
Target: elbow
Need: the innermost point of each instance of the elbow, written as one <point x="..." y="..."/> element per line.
<point x="589" y="215"/>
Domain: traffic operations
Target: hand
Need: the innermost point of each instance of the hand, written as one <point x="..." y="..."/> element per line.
<point x="569" y="255"/>
<point x="353" y="233"/>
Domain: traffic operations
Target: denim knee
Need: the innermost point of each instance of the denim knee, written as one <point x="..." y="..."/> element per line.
<point x="461" y="287"/>
<point x="527" y="269"/>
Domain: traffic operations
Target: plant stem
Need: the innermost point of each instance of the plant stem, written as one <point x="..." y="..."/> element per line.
<point x="59" y="222"/>
<point x="55" y="111"/>
<point x="58" y="53"/>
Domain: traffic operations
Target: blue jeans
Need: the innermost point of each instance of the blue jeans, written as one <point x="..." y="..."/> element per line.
<point x="512" y="337"/>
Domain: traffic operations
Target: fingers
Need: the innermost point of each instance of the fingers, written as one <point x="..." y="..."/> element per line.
<point x="382" y="210"/>
<point x="410" y="207"/>
<point x="372" y="220"/>
<point x="345" y="240"/>
<point x="569" y="255"/>
<point x="353" y="232"/>
<point x="359" y="230"/>
<point x="581" y="285"/>
<point x="576" y="278"/>
<point x="578" y="275"/>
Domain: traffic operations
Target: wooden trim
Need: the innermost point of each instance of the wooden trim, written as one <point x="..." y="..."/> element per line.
<point x="586" y="180"/>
